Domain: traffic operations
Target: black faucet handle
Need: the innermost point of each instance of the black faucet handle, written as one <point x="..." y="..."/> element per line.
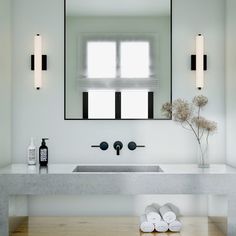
<point x="132" y="146"/>
<point x="103" y="146"/>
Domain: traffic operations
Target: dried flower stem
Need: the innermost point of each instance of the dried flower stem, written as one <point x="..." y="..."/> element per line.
<point x="186" y="127"/>
<point x="193" y="131"/>
<point x="189" y="116"/>
<point x="198" y="128"/>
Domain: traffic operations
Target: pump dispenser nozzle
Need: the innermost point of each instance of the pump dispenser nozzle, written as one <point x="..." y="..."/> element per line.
<point x="43" y="141"/>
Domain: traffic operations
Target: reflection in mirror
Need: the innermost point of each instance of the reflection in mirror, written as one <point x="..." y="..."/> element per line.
<point x="117" y="58"/>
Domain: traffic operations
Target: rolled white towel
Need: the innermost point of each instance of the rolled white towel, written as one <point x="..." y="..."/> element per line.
<point x="157" y="206"/>
<point x="145" y="226"/>
<point x="167" y="214"/>
<point x="152" y="213"/>
<point x="174" y="208"/>
<point x="175" y="226"/>
<point x="161" y="226"/>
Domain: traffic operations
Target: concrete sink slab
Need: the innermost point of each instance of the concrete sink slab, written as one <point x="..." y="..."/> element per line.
<point x="117" y="168"/>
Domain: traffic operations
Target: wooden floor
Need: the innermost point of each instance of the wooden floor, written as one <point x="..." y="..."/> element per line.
<point x="107" y="226"/>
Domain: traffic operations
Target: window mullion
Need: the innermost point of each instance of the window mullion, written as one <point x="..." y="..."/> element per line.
<point x="118" y="94"/>
<point x="150" y="105"/>
<point x="85" y="106"/>
<point x="118" y="70"/>
<point x="151" y="56"/>
<point x="118" y="105"/>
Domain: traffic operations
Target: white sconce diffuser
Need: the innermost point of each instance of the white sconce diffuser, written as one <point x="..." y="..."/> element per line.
<point x="199" y="61"/>
<point x="38" y="62"/>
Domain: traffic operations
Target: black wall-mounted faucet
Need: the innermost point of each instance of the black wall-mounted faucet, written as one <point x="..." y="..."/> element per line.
<point x="118" y="146"/>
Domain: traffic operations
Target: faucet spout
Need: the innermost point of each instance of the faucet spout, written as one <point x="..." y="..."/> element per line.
<point x="118" y="150"/>
<point x="118" y="146"/>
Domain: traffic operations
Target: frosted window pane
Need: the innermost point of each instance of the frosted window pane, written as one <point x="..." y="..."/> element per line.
<point x="101" y="59"/>
<point x="101" y="104"/>
<point x="134" y="104"/>
<point x="135" y="60"/>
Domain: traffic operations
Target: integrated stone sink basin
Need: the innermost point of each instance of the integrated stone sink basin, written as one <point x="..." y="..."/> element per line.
<point x="126" y="169"/>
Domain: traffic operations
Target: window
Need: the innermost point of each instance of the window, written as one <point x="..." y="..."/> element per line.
<point x="135" y="59"/>
<point x="134" y="104"/>
<point x="101" y="59"/>
<point x="101" y="104"/>
<point x="118" y="60"/>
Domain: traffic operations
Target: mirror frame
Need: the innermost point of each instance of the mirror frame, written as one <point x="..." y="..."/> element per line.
<point x="171" y="71"/>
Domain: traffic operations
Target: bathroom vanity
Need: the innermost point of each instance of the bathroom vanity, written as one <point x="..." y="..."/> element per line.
<point x="114" y="61"/>
<point x="19" y="179"/>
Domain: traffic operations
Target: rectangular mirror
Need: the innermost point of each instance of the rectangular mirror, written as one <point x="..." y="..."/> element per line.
<point x="117" y="58"/>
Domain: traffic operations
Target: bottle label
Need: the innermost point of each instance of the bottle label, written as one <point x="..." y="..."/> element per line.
<point x="43" y="154"/>
<point x="32" y="155"/>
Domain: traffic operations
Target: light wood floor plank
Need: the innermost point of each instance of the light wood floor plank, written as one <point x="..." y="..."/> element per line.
<point x="107" y="226"/>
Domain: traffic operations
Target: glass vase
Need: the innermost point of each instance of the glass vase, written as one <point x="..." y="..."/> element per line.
<point x="202" y="154"/>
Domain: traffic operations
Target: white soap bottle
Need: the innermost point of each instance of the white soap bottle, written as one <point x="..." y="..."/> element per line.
<point x="31" y="156"/>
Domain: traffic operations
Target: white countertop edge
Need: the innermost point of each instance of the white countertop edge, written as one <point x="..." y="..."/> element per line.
<point x="68" y="169"/>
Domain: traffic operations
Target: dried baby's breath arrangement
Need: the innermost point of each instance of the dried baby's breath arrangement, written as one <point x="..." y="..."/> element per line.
<point x="188" y="114"/>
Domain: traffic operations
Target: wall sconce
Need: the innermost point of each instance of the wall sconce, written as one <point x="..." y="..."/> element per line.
<point x="199" y="62"/>
<point x="38" y="62"/>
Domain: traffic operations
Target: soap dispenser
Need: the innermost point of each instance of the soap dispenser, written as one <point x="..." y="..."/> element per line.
<point x="31" y="153"/>
<point x="43" y="153"/>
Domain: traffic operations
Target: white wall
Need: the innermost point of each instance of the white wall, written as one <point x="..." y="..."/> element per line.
<point x="5" y="82"/>
<point x="230" y="81"/>
<point x="112" y="205"/>
<point x="40" y="113"/>
<point x="17" y="205"/>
